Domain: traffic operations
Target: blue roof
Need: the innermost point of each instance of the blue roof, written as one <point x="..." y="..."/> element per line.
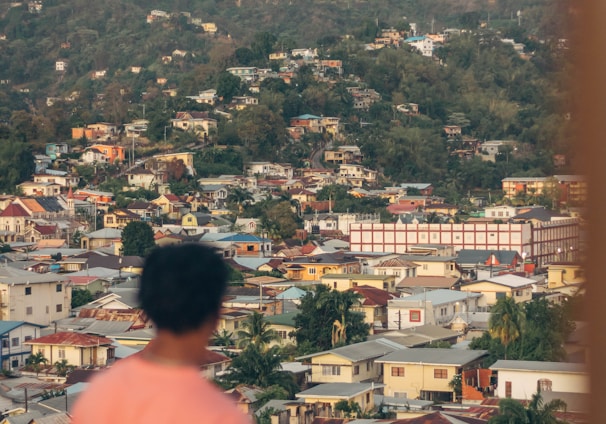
<point x="308" y="116"/>
<point x="292" y="293"/>
<point x="8" y="326"/>
<point x="417" y="38"/>
<point x="235" y="237"/>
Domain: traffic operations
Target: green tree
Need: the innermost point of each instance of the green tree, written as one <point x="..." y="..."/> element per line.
<point x="260" y="368"/>
<point x="223" y="338"/>
<point x="36" y="361"/>
<point x="81" y="297"/>
<point x="137" y="239"/>
<point x="228" y="86"/>
<point x="318" y="311"/>
<point x="349" y="409"/>
<point x="506" y="321"/>
<point x="256" y="330"/>
<point x="537" y="412"/>
<point x="63" y="368"/>
<point x="239" y="197"/>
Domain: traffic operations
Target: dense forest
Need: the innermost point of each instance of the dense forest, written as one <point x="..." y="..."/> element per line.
<point x="474" y="80"/>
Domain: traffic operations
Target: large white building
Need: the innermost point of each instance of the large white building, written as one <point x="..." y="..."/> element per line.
<point x="542" y="242"/>
<point x="33" y="297"/>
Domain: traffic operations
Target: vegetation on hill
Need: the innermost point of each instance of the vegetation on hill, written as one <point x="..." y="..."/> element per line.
<point x="476" y="81"/>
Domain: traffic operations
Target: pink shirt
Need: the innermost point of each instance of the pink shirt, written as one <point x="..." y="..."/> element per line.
<point x="136" y="390"/>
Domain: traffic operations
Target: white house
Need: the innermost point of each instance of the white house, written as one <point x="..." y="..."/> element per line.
<point x="437" y="307"/>
<point x="13" y="334"/>
<point x="423" y="44"/>
<point x="522" y="379"/>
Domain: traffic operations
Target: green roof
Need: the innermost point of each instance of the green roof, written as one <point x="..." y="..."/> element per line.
<point x="282" y="319"/>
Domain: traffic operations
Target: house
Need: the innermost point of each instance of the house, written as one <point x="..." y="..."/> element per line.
<point x="172" y="206"/>
<point x="452" y="131"/>
<point x="436" y="307"/>
<point x="241" y="102"/>
<point x="522" y="379"/>
<point x="501" y="286"/>
<point x="145" y="178"/>
<point x="245" y="73"/>
<point x="101" y="199"/>
<point x="284" y="326"/>
<point x="313" y="268"/>
<point x="119" y="218"/>
<point x="61" y="65"/>
<point x="347" y="281"/>
<point x="30" y="188"/>
<point x="216" y="195"/>
<point x="269" y="169"/>
<point x="208" y="97"/>
<point x="146" y="210"/>
<point x="13" y="353"/>
<point x="135" y="128"/>
<point x="356" y="175"/>
<point x="101" y="238"/>
<point x="13" y="220"/>
<point x="344" y="154"/>
<point x="248" y="225"/>
<point x="474" y="262"/>
<point x="78" y="349"/>
<point x="373" y="304"/>
<point x="33" y="297"/>
<point x="421" y="336"/>
<point x="332" y="393"/>
<point x="422" y="44"/>
<point x="196" y="122"/>
<point x="246" y="244"/>
<point x="419" y="373"/>
<point x="64" y="179"/>
<point x="350" y="364"/>
<point x="162" y="161"/>
<point x="398" y="266"/>
<point x="214" y="364"/>
<point x="231" y="320"/>
<point x="565" y="277"/>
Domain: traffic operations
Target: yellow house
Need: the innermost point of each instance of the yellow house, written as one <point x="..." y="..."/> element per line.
<point x="119" y="218"/>
<point x="283" y="324"/>
<point x="343" y="282"/>
<point x="350" y="364"/>
<point x="332" y="393"/>
<point x="508" y="285"/>
<point x="565" y="277"/>
<point x="419" y="373"/>
<point x="78" y="349"/>
<point x="313" y="268"/>
<point x="373" y="304"/>
<point x="231" y="320"/>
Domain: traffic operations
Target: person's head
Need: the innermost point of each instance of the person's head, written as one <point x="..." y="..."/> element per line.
<point x="182" y="286"/>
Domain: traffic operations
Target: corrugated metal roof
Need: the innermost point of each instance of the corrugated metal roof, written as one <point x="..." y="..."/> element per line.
<point x="361" y="351"/>
<point x="433" y="356"/>
<point x="564" y="367"/>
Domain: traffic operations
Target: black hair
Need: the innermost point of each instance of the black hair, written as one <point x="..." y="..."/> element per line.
<point x="182" y="286"/>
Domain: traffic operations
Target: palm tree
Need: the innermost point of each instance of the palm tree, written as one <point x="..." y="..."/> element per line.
<point x="506" y="321"/>
<point x="260" y="368"/>
<point x="256" y="331"/>
<point x="537" y="412"/>
<point x="239" y="197"/>
<point x="36" y="361"/>
<point x="223" y="338"/>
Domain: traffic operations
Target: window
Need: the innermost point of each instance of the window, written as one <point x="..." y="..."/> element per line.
<point x="544" y="385"/>
<point x="397" y="371"/>
<point x="334" y="284"/>
<point x="29" y="310"/>
<point x="508" y="389"/>
<point x="500" y="295"/>
<point x="236" y="325"/>
<point x="425" y="267"/>
<point x="415" y="316"/>
<point x="440" y="373"/>
<point x="61" y="353"/>
<point x="331" y="370"/>
<point x="312" y="271"/>
<point x="27" y="338"/>
<point x="5" y="343"/>
<point x="368" y="366"/>
<point x="41" y="351"/>
<point x="283" y="334"/>
<point x="28" y="291"/>
<point x="356" y="370"/>
<point x="59" y="307"/>
<point x="15" y="341"/>
<point x="59" y="288"/>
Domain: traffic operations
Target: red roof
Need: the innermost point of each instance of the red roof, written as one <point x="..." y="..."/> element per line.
<point x="68" y="338"/>
<point x="395" y="209"/>
<point x="373" y="296"/>
<point x="14" y="209"/>
<point x="46" y="229"/>
<point x="308" y="248"/>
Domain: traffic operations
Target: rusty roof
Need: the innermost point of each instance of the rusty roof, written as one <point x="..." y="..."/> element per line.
<point x="68" y="338"/>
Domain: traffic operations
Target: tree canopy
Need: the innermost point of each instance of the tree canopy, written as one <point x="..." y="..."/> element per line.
<point x="137" y="239"/>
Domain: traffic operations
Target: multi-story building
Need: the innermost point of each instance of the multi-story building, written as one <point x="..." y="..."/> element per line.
<point x="542" y="242"/>
<point x="33" y="297"/>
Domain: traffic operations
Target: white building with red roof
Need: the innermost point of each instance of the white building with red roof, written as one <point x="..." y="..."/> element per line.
<point x="13" y="221"/>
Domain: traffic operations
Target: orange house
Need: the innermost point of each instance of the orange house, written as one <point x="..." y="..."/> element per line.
<point x="112" y="152"/>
